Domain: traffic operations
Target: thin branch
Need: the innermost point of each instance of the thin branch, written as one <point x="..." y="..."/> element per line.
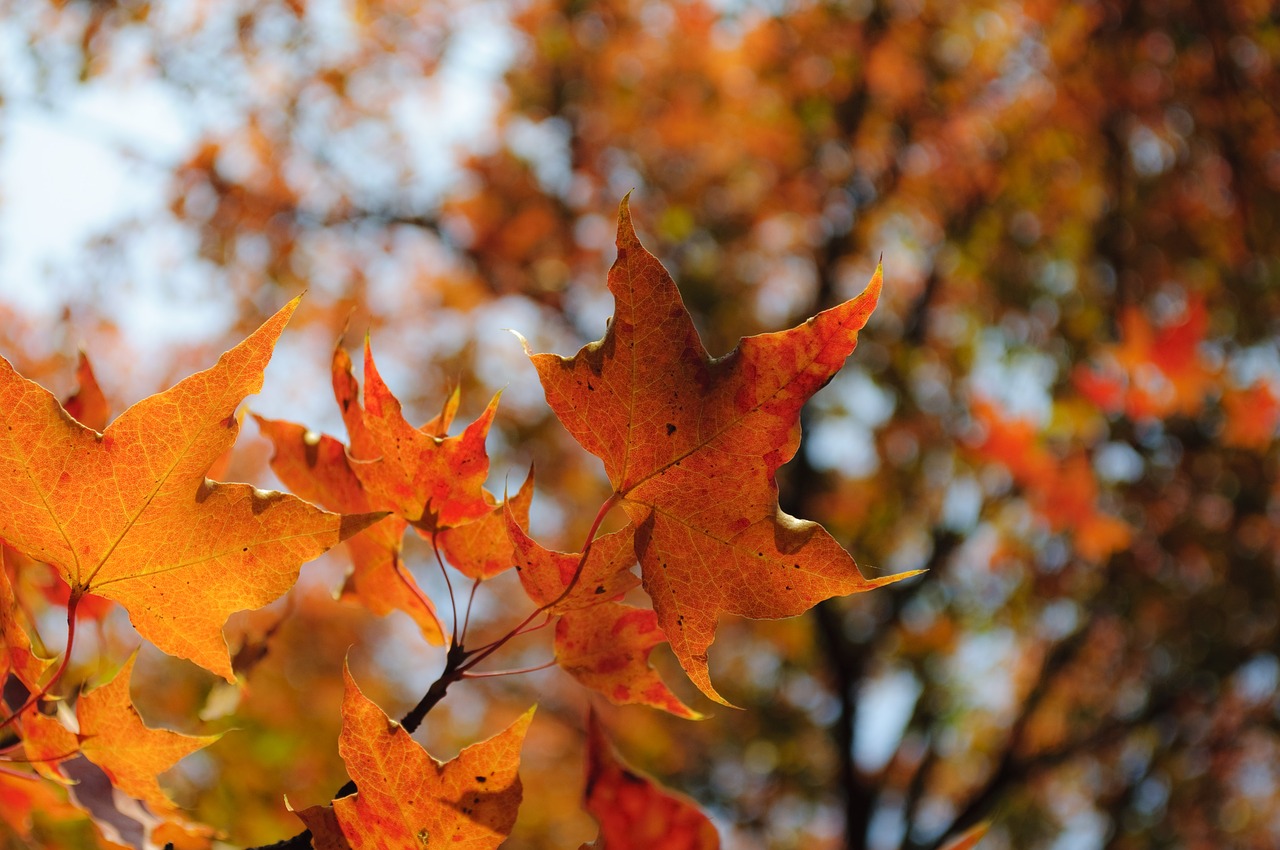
<point x="453" y="604"/>
<point x="493" y="674"/>
<point x="471" y="600"/>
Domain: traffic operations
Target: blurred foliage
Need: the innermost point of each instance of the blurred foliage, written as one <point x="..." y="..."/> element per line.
<point x="1065" y="407"/>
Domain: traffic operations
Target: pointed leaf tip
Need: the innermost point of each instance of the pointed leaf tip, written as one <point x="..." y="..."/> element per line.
<point x="353" y="524"/>
<point x="627" y="237"/>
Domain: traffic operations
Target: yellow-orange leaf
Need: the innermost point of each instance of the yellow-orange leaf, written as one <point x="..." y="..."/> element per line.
<point x="433" y="481"/>
<point x="634" y="812"/>
<point x="132" y="755"/>
<point x="606" y="647"/>
<point x="692" y="445"/>
<point x="315" y="467"/>
<point x="46" y="742"/>
<point x="408" y="799"/>
<point x="128" y="514"/>
<point x="546" y="574"/>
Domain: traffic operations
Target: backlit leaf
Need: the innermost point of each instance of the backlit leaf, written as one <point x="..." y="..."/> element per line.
<point x="691" y="446"/>
<point x="128" y="514"/>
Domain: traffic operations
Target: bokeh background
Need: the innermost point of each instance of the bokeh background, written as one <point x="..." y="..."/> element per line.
<point x="1065" y="407"/>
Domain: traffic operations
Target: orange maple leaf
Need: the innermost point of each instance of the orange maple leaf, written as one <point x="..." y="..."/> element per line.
<point x="113" y="736"/>
<point x="606" y="647"/>
<point x="315" y="467"/>
<point x="692" y="445"/>
<point x="634" y="812"/>
<point x="433" y="481"/>
<point x="547" y="575"/>
<point x="128" y="514"/>
<point x="322" y="823"/>
<point x="601" y="643"/>
<point x="408" y="799"/>
<point x="46" y="742"/>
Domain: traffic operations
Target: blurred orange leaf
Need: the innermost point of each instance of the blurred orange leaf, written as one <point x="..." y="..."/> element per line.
<point x="634" y="812"/>
<point x="315" y="467"/>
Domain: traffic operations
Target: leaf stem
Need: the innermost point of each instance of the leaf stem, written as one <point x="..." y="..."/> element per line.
<point x="453" y="603"/>
<point x="72" y="604"/>
<point x="493" y="674"/>
<point x="490" y="649"/>
<point x="466" y="620"/>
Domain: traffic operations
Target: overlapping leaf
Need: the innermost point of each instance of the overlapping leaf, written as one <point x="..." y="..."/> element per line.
<point x="548" y="577"/>
<point x="16" y="654"/>
<point x="606" y="647"/>
<point x="433" y="481"/>
<point x="603" y="644"/>
<point x="128" y="514"/>
<point x="315" y="467"/>
<point x="425" y="476"/>
<point x="634" y="812"/>
<point x="113" y="736"/>
<point x="87" y="405"/>
<point x="692" y="445"/>
<point x="408" y="799"/>
<point x="481" y="549"/>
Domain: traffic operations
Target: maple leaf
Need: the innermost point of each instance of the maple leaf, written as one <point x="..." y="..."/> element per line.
<point x="634" y="812"/>
<point x="601" y="643"/>
<point x="692" y="445"/>
<point x="128" y="514"/>
<point x="46" y="742"/>
<point x="315" y="467"/>
<point x="606" y="647"/>
<point x="113" y="736"/>
<point x="433" y="481"/>
<point x="408" y="799"/>
<point x="547" y="575"/>
<point x="322" y="823"/>
<point x="29" y="575"/>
